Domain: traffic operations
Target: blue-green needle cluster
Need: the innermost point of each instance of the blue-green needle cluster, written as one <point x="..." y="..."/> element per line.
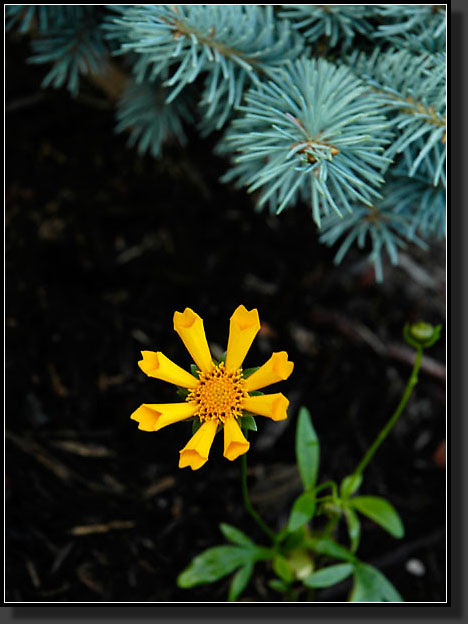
<point x="341" y="108"/>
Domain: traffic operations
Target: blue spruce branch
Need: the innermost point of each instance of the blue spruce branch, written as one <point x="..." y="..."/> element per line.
<point x="309" y="134"/>
<point x="411" y="87"/>
<point x="142" y="111"/>
<point x="359" y="138"/>
<point x="71" y="40"/>
<point x="227" y="45"/>
<point x="336" y="24"/>
<point x="419" y="28"/>
<point x="380" y="226"/>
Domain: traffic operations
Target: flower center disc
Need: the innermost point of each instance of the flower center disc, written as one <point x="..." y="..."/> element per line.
<point x="219" y="394"/>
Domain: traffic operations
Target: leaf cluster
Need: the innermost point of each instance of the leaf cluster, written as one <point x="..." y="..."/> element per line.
<point x="301" y="556"/>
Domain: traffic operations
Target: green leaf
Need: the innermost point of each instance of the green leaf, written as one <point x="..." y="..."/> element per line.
<point x="370" y="585"/>
<point x="249" y="371"/>
<point x="307" y="449"/>
<point x="329" y="576"/>
<point x="282" y="569"/>
<point x="302" y="511"/>
<point x="213" y="564"/>
<point x="236" y="536"/>
<point x="278" y="585"/>
<point x="380" y="511"/>
<point x="182" y="392"/>
<point x="326" y="546"/>
<point x="354" y="527"/>
<point x="247" y="422"/>
<point x="196" y="424"/>
<point x="194" y="370"/>
<point x="350" y="485"/>
<point x="290" y="541"/>
<point x="240" y="581"/>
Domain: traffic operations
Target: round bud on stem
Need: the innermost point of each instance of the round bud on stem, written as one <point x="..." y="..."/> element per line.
<point x="421" y="335"/>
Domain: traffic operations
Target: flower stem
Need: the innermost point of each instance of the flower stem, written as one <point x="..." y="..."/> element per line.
<point x="330" y="527"/>
<point x="412" y="381"/>
<point x="322" y="486"/>
<point x="248" y="504"/>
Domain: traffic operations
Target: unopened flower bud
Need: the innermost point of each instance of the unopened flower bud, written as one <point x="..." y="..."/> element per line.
<point x="421" y="334"/>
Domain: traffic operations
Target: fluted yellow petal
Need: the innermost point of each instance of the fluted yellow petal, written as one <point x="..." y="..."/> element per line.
<point x="155" y="416"/>
<point x="197" y="450"/>
<point x="235" y="443"/>
<point x="145" y="417"/>
<point x="189" y="326"/>
<point x="272" y="406"/>
<point x="277" y="368"/>
<point x="156" y="364"/>
<point x="243" y="327"/>
<point x="171" y="413"/>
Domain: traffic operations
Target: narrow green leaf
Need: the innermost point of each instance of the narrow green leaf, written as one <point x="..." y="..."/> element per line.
<point x="247" y="422"/>
<point x="350" y="485"/>
<point x="240" y="581"/>
<point x="278" y="585"/>
<point x="213" y="564"/>
<point x="370" y="585"/>
<point x="329" y="576"/>
<point x="236" y="536"/>
<point x="290" y="541"/>
<point x="196" y="424"/>
<point x="307" y="449"/>
<point x="282" y="569"/>
<point x="326" y="546"/>
<point x="260" y="553"/>
<point x="380" y="511"/>
<point x="194" y="370"/>
<point x="302" y="511"/>
<point x="182" y="392"/>
<point x="249" y="371"/>
<point x="354" y="527"/>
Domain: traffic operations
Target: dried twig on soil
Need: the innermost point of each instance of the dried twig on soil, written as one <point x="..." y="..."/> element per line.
<point x="160" y="486"/>
<point x="88" y="529"/>
<point x="84" y="450"/>
<point x="361" y="334"/>
<point x="87" y="579"/>
<point x="31" y="568"/>
<point x="428" y="365"/>
<point x="33" y="448"/>
<point x="58" y="468"/>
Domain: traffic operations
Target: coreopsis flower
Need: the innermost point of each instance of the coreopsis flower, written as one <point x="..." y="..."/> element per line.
<point x="218" y="394"/>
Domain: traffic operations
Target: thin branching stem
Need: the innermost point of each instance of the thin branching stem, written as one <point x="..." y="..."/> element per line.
<point x="413" y="380"/>
<point x="248" y="505"/>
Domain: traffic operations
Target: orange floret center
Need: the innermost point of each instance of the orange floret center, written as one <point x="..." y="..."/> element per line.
<point x="219" y="394"/>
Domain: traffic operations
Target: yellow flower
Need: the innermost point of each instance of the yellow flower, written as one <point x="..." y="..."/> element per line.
<point x="220" y="392"/>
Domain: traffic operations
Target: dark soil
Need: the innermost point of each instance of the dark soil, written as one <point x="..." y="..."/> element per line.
<point x="102" y="246"/>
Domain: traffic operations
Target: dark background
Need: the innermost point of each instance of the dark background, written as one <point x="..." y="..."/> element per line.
<point x="102" y="246"/>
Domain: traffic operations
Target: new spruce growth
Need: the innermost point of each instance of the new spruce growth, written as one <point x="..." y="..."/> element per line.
<point x="340" y="107"/>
